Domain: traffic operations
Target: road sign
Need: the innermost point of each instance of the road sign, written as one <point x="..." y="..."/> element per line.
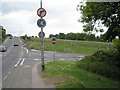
<point x="41" y="23"/>
<point x="41" y="34"/>
<point x="53" y="40"/>
<point x="41" y="12"/>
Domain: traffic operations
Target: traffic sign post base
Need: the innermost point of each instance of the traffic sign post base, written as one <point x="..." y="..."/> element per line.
<point x="43" y="67"/>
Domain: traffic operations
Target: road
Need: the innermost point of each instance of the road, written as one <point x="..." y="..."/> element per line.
<point x="18" y="64"/>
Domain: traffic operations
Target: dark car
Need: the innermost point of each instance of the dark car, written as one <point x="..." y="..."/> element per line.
<point x="15" y="44"/>
<point x="3" y="48"/>
<point x="10" y="37"/>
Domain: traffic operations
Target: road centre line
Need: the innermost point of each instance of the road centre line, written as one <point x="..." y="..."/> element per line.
<point x="22" y="61"/>
<point x="9" y="72"/>
<point x="5" y="77"/>
<point x="17" y="62"/>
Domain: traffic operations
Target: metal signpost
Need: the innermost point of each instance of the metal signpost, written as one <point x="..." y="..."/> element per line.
<point x="41" y="12"/>
<point x="54" y="42"/>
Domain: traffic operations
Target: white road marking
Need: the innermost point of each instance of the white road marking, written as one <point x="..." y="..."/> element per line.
<point x="9" y="72"/>
<point x="34" y="50"/>
<point x="26" y="49"/>
<point x="27" y="66"/>
<point x="33" y="53"/>
<point x="61" y="59"/>
<point x="22" y="61"/>
<point x="17" y="62"/>
<point x="5" y="77"/>
<point x="36" y="59"/>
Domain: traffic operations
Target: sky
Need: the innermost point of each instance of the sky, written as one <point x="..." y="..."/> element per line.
<point x="19" y="17"/>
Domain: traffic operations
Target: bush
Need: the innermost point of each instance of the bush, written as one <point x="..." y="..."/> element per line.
<point x="116" y="45"/>
<point x="103" y="62"/>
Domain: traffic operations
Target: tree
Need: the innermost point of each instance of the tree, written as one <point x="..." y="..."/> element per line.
<point x="61" y="36"/>
<point x="71" y="36"/>
<point x="106" y="13"/>
<point x="51" y="35"/>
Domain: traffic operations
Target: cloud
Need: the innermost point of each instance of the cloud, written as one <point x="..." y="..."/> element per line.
<point x="8" y="7"/>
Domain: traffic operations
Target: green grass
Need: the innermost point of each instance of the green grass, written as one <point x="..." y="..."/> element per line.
<point x="68" y="46"/>
<point x="76" y="77"/>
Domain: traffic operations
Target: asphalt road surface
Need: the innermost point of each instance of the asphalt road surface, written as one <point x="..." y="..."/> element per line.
<point x="18" y="63"/>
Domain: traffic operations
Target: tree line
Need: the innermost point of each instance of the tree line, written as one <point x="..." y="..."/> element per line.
<point x="78" y="36"/>
<point x="3" y="34"/>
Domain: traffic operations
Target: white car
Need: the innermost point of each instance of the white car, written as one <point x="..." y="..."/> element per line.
<point x="3" y="48"/>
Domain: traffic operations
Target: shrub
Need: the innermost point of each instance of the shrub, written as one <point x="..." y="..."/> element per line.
<point x="116" y="45"/>
<point x="103" y="62"/>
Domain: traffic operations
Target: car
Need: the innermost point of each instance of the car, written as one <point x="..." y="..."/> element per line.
<point x="10" y="37"/>
<point x="3" y="48"/>
<point x="15" y="44"/>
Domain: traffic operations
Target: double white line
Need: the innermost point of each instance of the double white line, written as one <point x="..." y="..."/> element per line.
<point x="19" y="62"/>
<point x="22" y="61"/>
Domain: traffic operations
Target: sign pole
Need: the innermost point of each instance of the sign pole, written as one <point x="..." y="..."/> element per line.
<point x="41" y="3"/>
<point x="41" y="12"/>
<point x="42" y="45"/>
<point x="42" y="50"/>
<point x="54" y="52"/>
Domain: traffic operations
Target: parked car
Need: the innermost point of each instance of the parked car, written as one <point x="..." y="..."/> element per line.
<point x="3" y="48"/>
<point x="15" y="44"/>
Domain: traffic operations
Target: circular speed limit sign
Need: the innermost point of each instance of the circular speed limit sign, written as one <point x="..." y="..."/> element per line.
<point x="41" y="12"/>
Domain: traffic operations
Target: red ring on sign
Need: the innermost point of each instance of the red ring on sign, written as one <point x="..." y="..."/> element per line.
<point x="41" y="12"/>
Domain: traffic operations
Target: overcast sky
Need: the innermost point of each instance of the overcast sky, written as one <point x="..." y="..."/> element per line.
<point x="19" y="17"/>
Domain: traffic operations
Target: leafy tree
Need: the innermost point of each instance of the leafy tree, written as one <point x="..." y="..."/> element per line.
<point x="106" y="13"/>
<point x="56" y="35"/>
<point x="61" y="36"/>
<point x="9" y="35"/>
<point x="51" y="35"/>
<point x="71" y="36"/>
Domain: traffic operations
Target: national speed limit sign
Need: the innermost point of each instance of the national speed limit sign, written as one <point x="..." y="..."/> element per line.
<point x="41" y="12"/>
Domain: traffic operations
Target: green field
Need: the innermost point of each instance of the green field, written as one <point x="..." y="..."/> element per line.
<point x="75" y="77"/>
<point x="68" y="46"/>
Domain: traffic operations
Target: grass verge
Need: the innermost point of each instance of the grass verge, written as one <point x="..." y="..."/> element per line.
<point x="76" y="77"/>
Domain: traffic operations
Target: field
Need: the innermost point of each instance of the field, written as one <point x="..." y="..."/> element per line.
<point x="68" y="46"/>
<point x="75" y="77"/>
<point x="97" y="71"/>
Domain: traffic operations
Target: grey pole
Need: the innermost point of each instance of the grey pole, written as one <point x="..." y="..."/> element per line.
<point x="42" y="45"/>
<point x="40" y="3"/>
<point x="54" y="53"/>
<point x="42" y="50"/>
